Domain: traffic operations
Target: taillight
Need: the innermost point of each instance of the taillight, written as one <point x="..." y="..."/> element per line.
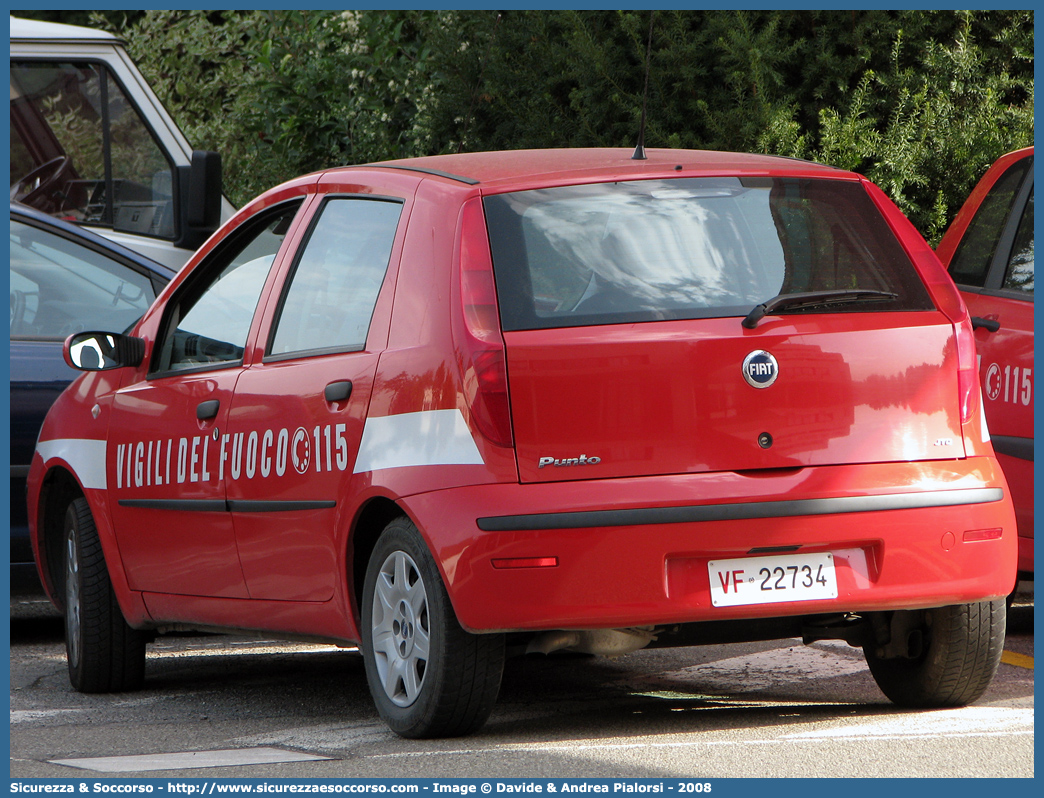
<point x="481" y="351"/>
<point x="967" y="370"/>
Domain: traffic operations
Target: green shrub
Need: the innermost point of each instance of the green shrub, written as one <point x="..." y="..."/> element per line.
<point x="919" y="101"/>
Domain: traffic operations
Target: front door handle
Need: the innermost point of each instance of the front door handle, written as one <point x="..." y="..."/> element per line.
<point x="207" y="409"/>
<point x="338" y="391"/>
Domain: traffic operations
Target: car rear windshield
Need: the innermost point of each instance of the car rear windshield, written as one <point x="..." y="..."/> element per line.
<point x="690" y="248"/>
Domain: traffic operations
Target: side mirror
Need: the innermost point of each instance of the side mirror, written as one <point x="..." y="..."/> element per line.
<point x="102" y="351"/>
<point x="197" y="192"/>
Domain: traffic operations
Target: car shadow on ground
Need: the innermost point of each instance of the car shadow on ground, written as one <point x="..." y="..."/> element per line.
<point x="542" y="698"/>
<point x="1020" y="616"/>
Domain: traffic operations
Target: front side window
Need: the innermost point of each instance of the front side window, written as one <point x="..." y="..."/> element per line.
<point x="59" y="287"/>
<point x="81" y="150"/>
<point x="334" y="286"/>
<point x="206" y="325"/>
<point x="689" y="248"/>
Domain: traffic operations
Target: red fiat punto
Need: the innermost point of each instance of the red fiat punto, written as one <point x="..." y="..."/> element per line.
<point x="453" y="407"/>
<point x="989" y="252"/>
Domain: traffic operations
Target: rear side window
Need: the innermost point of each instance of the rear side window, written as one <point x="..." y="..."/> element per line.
<point x="688" y="248"/>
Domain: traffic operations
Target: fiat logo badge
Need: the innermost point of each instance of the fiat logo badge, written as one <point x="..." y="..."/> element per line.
<point x="760" y="369"/>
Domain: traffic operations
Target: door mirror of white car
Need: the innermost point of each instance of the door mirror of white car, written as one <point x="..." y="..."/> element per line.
<point x="102" y="351"/>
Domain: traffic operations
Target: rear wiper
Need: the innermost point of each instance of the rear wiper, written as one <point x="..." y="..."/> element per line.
<point x="814" y="299"/>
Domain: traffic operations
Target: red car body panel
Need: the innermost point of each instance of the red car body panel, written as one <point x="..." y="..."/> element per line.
<point x="414" y="434"/>
<point x="1006" y="359"/>
<point x="672" y="404"/>
<point x="157" y="450"/>
<point x="1005" y="355"/>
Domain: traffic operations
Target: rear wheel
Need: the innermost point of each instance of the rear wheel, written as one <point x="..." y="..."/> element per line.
<point x="428" y="677"/>
<point x="959" y="649"/>
<point x="105" y="655"/>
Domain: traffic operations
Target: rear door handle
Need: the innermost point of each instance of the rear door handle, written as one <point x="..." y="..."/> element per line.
<point x="207" y="409"/>
<point x="338" y="391"/>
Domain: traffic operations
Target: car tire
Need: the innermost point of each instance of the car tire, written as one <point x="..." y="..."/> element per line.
<point x="428" y="677"/>
<point x="962" y="646"/>
<point x="105" y="655"/>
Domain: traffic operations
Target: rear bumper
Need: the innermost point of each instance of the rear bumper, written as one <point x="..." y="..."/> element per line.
<point x="634" y="552"/>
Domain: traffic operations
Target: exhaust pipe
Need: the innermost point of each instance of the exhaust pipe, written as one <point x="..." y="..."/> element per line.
<point x="604" y="642"/>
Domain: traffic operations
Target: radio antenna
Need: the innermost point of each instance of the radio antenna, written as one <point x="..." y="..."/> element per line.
<point x="639" y="151"/>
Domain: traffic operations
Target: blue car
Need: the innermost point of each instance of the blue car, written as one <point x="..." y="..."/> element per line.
<point x="63" y="280"/>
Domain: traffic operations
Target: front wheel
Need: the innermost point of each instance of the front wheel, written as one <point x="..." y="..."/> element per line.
<point x="105" y="654"/>
<point x="428" y="677"/>
<point x="960" y="649"/>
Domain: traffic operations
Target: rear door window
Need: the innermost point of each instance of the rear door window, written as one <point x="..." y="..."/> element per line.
<point x="689" y="248"/>
<point x="333" y="290"/>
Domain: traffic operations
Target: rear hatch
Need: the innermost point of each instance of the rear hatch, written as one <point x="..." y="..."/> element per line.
<point x="632" y="348"/>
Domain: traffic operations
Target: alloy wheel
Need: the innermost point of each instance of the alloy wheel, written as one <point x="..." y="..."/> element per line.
<point x="400" y="629"/>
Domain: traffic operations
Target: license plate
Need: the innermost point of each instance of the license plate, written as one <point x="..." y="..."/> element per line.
<point x="768" y="580"/>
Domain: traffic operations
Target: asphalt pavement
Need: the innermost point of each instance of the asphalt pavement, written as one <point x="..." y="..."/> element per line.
<point x="218" y="706"/>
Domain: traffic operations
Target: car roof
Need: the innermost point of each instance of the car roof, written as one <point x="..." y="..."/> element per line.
<point x="88" y="238"/>
<point x="595" y="164"/>
<point x="35" y="30"/>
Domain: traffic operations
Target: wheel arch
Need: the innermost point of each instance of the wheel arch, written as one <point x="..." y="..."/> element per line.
<point x="370" y="522"/>
<point x="58" y="489"/>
